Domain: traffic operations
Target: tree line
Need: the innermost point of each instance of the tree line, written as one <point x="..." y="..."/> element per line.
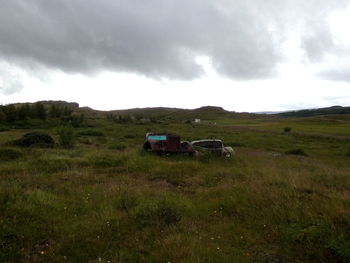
<point x="12" y="113"/>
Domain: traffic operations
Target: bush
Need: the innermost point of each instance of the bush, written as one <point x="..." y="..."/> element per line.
<point x="287" y="129"/>
<point x="7" y="154"/>
<point x="66" y="137"/>
<point x="297" y="152"/>
<point x="348" y="154"/>
<point x="35" y="139"/>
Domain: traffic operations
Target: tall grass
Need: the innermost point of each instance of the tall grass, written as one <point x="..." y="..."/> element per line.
<point x="67" y="137"/>
<point x="95" y="203"/>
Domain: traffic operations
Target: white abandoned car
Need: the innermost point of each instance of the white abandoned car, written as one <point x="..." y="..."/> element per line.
<point x="212" y="146"/>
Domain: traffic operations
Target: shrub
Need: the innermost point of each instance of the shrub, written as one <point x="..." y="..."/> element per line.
<point x="66" y="137"/>
<point x="348" y="154"/>
<point x="297" y="152"/>
<point x="287" y="129"/>
<point x="7" y="154"/>
<point x="35" y="139"/>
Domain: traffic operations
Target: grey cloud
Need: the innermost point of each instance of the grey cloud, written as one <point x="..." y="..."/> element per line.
<point x="342" y="74"/>
<point x="158" y="38"/>
<point x="317" y="43"/>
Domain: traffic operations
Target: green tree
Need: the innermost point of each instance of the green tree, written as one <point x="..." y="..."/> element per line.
<point x="10" y="113"/>
<point x="23" y="112"/>
<point x="2" y="115"/>
<point x="40" y="111"/>
<point x="55" y="111"/>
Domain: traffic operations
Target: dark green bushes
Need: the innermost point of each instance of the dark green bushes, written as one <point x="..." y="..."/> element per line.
<point x="287" y="129"/>
<point x="27" y="113"/>
<point x="35" y="139"/>
<point x="298" y="151"/>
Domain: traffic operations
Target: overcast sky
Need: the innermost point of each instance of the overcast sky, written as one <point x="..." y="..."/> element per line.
<point x="243" y="55"/>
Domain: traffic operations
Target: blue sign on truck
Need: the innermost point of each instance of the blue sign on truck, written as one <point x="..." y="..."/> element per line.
<point x="157" y="137"/>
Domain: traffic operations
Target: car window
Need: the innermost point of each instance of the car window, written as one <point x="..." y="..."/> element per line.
<point x="209" y="144"/>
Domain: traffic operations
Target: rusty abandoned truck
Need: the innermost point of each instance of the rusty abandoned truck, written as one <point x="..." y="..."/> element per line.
<point x="163" y="144"/>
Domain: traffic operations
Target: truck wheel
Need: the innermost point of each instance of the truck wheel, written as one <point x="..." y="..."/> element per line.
<point x="147" y="147"/>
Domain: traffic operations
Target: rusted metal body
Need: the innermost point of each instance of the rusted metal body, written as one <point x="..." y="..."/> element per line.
<point x="212" y="146"/>
<point x="166" y="144"/>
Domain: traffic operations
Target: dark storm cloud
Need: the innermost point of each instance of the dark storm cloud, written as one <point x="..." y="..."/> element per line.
<point x="158" y="38"/>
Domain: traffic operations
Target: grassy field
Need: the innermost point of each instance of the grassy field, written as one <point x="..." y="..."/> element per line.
<point x="106" y="201"/>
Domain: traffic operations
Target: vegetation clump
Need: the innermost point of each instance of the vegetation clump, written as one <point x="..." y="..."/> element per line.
<point x="66" y="137"/>
<point x="287" y="129"/>
<point x="35" y="139"/>
<point x="298" y="151"/>
<point x="7" y="154"/>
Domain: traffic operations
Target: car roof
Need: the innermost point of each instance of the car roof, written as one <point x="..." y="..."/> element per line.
<point x="207" y="140"/>
<point x="160" y="134"/>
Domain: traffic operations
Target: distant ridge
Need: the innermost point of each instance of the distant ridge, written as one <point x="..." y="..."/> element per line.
<point x="334" y="110"/>
<point x="205" y="112"/>
<point x="53" y="102"/>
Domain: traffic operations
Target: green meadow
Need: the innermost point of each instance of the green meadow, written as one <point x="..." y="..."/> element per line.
<point x="283" y="197"/>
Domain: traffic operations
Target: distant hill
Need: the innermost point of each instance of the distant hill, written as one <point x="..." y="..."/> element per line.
<point x="148" y="112"/>
<point x="335" y="110"/>
<point x="204" y="113"/>
<point x="72" y="105"/>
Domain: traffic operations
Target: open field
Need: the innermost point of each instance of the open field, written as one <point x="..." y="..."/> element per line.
<point x="106" y="201"/>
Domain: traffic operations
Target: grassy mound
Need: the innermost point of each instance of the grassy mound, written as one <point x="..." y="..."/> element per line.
<point x="35" y="139"/>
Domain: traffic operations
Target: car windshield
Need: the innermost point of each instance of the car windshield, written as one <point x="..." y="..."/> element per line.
<point x="209" y="144"/>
